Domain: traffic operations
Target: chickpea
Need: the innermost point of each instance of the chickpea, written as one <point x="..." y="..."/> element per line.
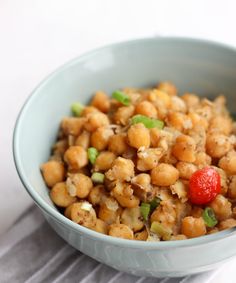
<point x="101" y="227"/>
<point x="179" y="121"/>
<point x="83" y="140"/>
<point x="117" y="144"/>
<point x="217" y="145"/>
<point x="193" y="227"/>
<point x="162" y="110"/>
<point x="104" y="161"/>
<point x="124" y="195"/>
<point x="162" y="96"/>
<point x="120" y="231"/>
<point x="60" y="147"/>
<point x="191" y="100"/>
<point x="168" y="87"/>
<point x="76" y="157"/>
<point x="146" y="108"/>
<point x="228" y="162"/>
<point x="131" y="217"/>
<point x="138" y="136"/>
<point x="123" y="114"/>
<point x="60" y="196"/>
<point x="232" y="188"/>
<point x="221" y="125"/>
<point x="221" y="207"/>
<point x="148" y="158"/>
<point x="196" y="211"/>
<point x="96" y="195"/>
<point x="177" y="104"/>
<point x="101" y="101"/>
<point x="141" y="236"/>
<point x="164" y="175"/>
<point x="213" y="231"/>
<point x="122" y="169"/>
<point x="53" y="172"/>
<point x="178" y="237"/>
<point x="185" y="169"/>
<point x="226" y="224"/>
<point x="72" y="125"/>
<point x="109" y="210"/>
<point x="184" y="149"/>
<point x="67" y="211"/>
<point x="83" y="214"/>
<point x="196" y="120"/>
<point x="179" y="188"/>
<point x="223" y="180"/>
<point x="79" y="185"/>
<point x="141" y="184"/>
<point x="100" y="138"/>
<point x="202" y="159"/>
<point x="205" y="112"/>
<point x="143" y="180"/>
<point x="96" y="120"/>
<point x="155" y="135"/>
<point x="88" y="109"/>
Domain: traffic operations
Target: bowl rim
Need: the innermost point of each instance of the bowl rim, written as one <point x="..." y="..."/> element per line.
<point x="56" y="215"/>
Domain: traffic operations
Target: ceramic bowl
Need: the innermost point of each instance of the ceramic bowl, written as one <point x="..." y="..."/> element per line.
<point x="198" y="66"/>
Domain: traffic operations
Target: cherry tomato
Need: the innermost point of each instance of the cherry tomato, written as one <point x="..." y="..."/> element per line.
<point x="204" y="185"/>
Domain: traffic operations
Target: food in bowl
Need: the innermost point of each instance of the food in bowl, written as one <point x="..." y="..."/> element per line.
<point x="146" y="164"/>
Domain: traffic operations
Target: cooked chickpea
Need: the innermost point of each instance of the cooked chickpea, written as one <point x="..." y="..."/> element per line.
<point x="196" y="211"/>
<point x="221" y="207"/>
<point x="178" y="237"/>
<point x="217" y="145"/>
<point x="122" y="169"/>
<point x="185" y="169"/>
<point x="76" y="157"/>
<point x="109" y="210"/>
<point x="79" y="185"/>
<point x="72" y="125"/>
<point x="53" y="172"/>
<point x="101" y="101"/>
<point x="155" y="136"/>
<point x="96" y="120"/>
<point x="179" y="121"/>
<point x="83" y="140"/>
<point x="139" y="136"/>
<point x="184" y="148"/>
<point x="226" y="224"/>
<point x="117" y="144"/>
<point x="83" y="214"/>
<point x="141" y="236"/>
<point x="193" y="227"/>
<point x="177" y="104"/>
<point x="60" y="196"/>
<point x="88" y="109"/>
<point x="232" y="188"/>
<point x="60" y="147"/>
<point x="96" y="195"/>
<point x="67" y="211"/>
<point x="123" y="114"/>
<point x="202" y="159"/>
<point x="132" y="218"/>
<point x="104" y="161"/>
<point x="164" y="175"/>
<point x="191" y="100"/>
<point x="167" y="87"/>
<point x="123" y="193"/>
<point x="101" y="227"/>
<point x="228" y="163"/>
<point x="146" y="108"/>
<point x="158" y="95"/>
<point x="221" y="125"/>
<point x="143" y="180"/>
<point x="100" y="138"/>
<point x="121" y="231"/>
<point x="196" y="120"/>
<point x="148" y="158"/>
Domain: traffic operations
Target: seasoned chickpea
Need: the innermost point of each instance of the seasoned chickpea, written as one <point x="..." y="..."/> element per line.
<point x="202" y="159"/>
<point x="60" y="196"/>
<point x="221" y="125"/>
<point x="101" y="226"/>
<point x="60" y="147"/>
<point x="132" y="218"/>
<point x="100" y="138"/>
<point x="67" y="211"/>
<point x="217" y="145"/>
<point x="193" y="227"/>
<point x="104" y="161"/>
<point x="109" y="210"/>
<point x="155" y="136"/>
<point x="146" y="108"/>
<point x="148" y="158"/>
<point x="196" y="120"/>
<point x="72" y="125"/>
<point x="185" y="169"/>
<point x="117" y="144"/>
<point x="141" y="236"/>
<point x="101" y="101"/>
<point x="88" y="109"/>
<point x="228" y="163"/>
<point x="53" y="172"/>
<point x="143" y="180"/>
<point x="226" y="224"/>
<point x="83" y="140"/>
<point x="191" y="100"/>
<point x="123" y="193"/>
<point x="122" y="169"/>
<point x="184" y="148"/>
<point x="168" y="87"/>
<point x="79" y="185"/>
<point x="164" y="175"/>
<point x="139" y="136"/>
<point x="232" y="188"/>
<point x="179" y="121"/>
<point x="158" y="95"/>
<point x="196" y="211"/>
<point x="177" y="104"/>
<point x="96" y="120"/>
<point x="221" y="207"/>
<point x="76" y="157"/>
<point x="123" y="114"/>
<point x="96" y="195"/>
<point x="121" y="231"/>
<point x="84" y="214"/>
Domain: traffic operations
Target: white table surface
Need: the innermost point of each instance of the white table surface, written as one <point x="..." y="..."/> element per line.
<point x="38" y="36"/>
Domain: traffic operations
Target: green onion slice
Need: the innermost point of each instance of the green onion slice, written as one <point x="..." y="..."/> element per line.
<point x="209" y="217"/>
<point x="145" y="210"/>
<point x="92" y="154"/>
<point x="77" y="109"/>
<point x="98" y="177"/>
<point x="154" y="203"/>
<point x="121" y="97"/>
<point x="148" y="122"/>
<point x="160" y="230"/>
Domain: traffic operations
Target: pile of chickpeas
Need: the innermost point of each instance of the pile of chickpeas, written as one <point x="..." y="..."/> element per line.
<point x="139" y="164"/>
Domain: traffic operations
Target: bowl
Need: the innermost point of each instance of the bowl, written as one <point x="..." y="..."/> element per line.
<point x="203" y="67"/>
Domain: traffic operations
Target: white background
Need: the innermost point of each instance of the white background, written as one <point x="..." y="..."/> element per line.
<point x="38" y="36"/>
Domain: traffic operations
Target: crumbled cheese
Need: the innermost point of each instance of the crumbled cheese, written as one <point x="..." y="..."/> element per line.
<point x="71" y="188"/>
<point x="86" y="206"/>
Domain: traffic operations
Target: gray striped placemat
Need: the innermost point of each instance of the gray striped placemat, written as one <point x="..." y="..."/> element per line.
<point x="31" y="252"/>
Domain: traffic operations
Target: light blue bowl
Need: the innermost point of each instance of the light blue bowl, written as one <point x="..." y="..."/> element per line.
<point x="199" y="66"/>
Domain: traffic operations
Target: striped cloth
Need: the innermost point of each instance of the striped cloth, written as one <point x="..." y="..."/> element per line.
<point x="31" y="252"/>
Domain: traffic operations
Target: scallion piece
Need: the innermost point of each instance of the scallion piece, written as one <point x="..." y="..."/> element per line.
<point x="160" y="230"/>
<point x="98" y="177"/>
<point x="154" y="203"/>
<point x="77" y="109"/>
<point x="121" y="97"/>
<point x="209" y="217"/>
<point x="148" y="122"/>
<point x="145" y="210"/>
<point x="92" y="154"/>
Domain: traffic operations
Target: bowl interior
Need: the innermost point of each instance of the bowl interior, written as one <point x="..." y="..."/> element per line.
<point x="195" y="66"/>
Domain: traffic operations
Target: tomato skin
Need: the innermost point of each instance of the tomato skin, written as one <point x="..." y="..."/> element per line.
<point x="204" y="185"/>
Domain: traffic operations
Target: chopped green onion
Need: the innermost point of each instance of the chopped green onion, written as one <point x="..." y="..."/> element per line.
<point x="98" y="177"/>
<point x="77" y="109"/>
<point x="148" y="122"/>
<point x="92" y="154"/>
<point x="145" y="210"/>
<point x="209" y="217"/>
<point x="154" y="203"/>
<point x="121" y="97"/>
<point x="160" y="230"/>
